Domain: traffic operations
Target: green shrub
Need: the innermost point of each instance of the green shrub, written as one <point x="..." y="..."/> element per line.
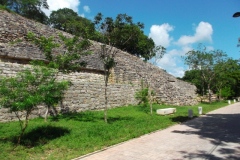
<point x="142" y="96"/>
<point x="227" y="92"/>
<point x="4" y="8"/>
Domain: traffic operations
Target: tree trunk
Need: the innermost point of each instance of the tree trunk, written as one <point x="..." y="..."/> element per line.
<point x="220" y="94"/>
<point x="46" y="114"/>
<point x="54" y="110"/>
<point x="150" y="99"/>
<point x="24" y="126"/>
<point x="105" y="93"/>
<point x="209" y="94"/>
<point x="22" y="131"/>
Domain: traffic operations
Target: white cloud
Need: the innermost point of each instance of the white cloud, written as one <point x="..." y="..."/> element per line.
<point x="209" y="48"/>
<point x="203" y="32"/>
<point x="82" y="15"/>
<point x="172" y="61"/>
<point x="177" y="72"/>
<point x="160" y="35"/>
<point x="55" y="5"/>
<point x="86" y="9"/>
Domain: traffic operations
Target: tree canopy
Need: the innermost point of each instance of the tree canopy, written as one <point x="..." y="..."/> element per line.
<point x="31" y="9"/>
<point x="205" y="61"/>
<point x="212" y="71"/>
<point x="67" y="20"/>
<point x="225" y="83"/>
<point x="124" y="34"/>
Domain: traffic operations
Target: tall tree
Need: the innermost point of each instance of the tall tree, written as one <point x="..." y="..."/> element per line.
<point x="107" y="56"/>
<point x="61" y="18"/>
<point x="65" y="62"/>
<point x="67" y="20"/>
<point x="226" y="77"/>
<point x="109" y="32"/>
<point x="194" y="77"/>
<point x="205" y="61"/>
<point x="158" y="53"/>
<point x="124" y="34"/>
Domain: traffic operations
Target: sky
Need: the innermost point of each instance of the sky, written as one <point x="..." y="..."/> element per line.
<point x="178" y="25"/>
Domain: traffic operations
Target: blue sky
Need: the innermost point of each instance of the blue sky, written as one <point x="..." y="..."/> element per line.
<point x="178" y="25"/>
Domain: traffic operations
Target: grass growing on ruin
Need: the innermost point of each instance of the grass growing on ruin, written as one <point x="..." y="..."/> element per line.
<point x="73" y="135"/>
<point x="5" y="8"/>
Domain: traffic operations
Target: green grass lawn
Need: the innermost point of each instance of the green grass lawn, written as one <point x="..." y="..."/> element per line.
<point x="73" y="135"/>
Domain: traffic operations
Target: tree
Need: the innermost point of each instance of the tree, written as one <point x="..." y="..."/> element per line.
<point x="31" y="9"/>
<point x="107" y="56"/>
<point x="59" y="19"/>
<point x="146" y="94"/>
<point x="142" y="96"/>
<point x="64" y="62"/>
<point x="38" y="85"/>
<point x="67" y="61"/>
<point x="139" y="44"/>
<point x="51" y="90"/>
<point x="158" y="53"/>
<point x="108" y="33"/>
<point x="226" y="80"/>
<point x="123" y="34"/>
<point x="67" y="20"/>
<point x="194" y="77"/>
<point x="205" y="61"/>
<point x="31" y="87"/>
<point x="235" y="74"/>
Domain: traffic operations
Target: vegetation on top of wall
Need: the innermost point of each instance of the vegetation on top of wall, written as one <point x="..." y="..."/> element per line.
<point x="2" y="7"/>
<point x="67" y="20"/>
<point x="31" y="9"/>
<point x="69" y="59"/>
<point x="124" y="34"/>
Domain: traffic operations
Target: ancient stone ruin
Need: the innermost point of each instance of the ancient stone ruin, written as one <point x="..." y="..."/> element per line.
<point x="86" y="93"/>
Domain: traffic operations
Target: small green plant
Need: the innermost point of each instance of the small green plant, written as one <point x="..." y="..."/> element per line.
<point x="142" y="96"/>
<point x="131" y="83"/>
<point x="15" y="41"/>
<point x="2" y="7"/>
<point x="226" y="92"/>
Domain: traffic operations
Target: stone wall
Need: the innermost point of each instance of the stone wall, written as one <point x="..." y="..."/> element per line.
<point x="131" y="69"/>
<point x="86" y="93"/>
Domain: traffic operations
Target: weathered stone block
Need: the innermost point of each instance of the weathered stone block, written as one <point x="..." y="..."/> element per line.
<point x="166" y="111"/>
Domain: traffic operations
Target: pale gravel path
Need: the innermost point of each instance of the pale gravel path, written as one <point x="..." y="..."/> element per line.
<point x="215" y="136"/>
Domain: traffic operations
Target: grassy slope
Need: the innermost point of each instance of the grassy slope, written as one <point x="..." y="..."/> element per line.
<point x="70" y="136"/>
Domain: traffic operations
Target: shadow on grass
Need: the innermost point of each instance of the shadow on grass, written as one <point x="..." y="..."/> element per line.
<point x="40" y="136"/>
<point x="114" y="119"/>
<point x="89" y="117"/>
<point x="181" y="119"/>
<point x="144" y="108"/>
<point x="82" y="116"/>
